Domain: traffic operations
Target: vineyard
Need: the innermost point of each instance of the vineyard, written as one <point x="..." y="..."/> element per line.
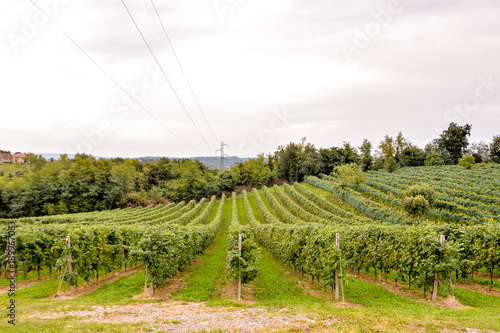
<point x="326" y="233"/>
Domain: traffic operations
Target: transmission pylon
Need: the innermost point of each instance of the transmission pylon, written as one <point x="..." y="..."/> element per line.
<point x="222" y="155"/>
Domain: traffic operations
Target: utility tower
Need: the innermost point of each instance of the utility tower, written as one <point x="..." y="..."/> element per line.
<point x="222" y="155"/>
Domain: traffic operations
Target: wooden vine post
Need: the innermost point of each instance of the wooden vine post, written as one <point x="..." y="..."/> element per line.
<point x="12" y="259"/>
<point x="239" y="271"/>
<point x="151" y="285"/>
<point x="123" y="253"/>
<point x="337" y="245"/>
<point x="6" y="251"/>
<point x="70" y="266"/>
<point x="436" y="277"/>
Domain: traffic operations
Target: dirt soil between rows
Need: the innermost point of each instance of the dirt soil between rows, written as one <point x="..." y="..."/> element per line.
<point x="194" y="317"/>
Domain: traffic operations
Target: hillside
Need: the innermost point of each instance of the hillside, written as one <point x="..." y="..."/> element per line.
<point x="385" y="266"/>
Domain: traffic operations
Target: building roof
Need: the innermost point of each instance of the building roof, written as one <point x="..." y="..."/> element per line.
<point x="19" y="155"/>
<point x="5" y="155"/>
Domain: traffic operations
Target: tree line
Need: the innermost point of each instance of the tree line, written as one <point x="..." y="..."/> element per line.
<point x="84" y="183"/>
<point x="298" y="160"/>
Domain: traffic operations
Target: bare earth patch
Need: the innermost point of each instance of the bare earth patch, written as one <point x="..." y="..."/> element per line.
<point x="175" y="283"/>
<point x="191" y="317"/>
<point x="230" y="291"/>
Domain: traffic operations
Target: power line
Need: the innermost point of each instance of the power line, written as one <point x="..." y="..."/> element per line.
<point x="112" y="79"/>
<point x="182" y="69"/>
<point x="166" y="77"/>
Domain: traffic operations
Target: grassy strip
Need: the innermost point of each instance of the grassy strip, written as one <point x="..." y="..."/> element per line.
<point x="269" y="208"/>
<point x="123" y="288"/>
<point x="214" y="212"/>
<point x="202" y="278"/>
<point x="484" y="281"/>
<point x="329" y="196"/>
<point x="37" y="291"/>
<point x="254" y="207"/>
<point x="478" y="300"/>
<point x="274" y="288"/>
<point x="241" y="211"/>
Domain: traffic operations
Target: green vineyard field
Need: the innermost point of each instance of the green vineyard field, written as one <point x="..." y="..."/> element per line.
<point x="297" y="223"/>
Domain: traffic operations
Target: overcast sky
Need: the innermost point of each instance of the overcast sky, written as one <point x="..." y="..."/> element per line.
<point x="264" y="72"/>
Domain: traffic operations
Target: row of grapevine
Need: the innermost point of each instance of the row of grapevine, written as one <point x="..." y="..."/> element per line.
<point x="244" y="266"/>
<point x="368" y="207"/>
<point x="266" y="214"/>
<point x="205" y="214"/>
<point x="328" y="206"/>
<point x="295" y="209"/>
<point x="82" y="217"/>
<point x="413" y="252"/>
<point x="165" y="244"/>
<point x="461" y="185"/>
<point x="282" y="212"/>
<point x="454" y="204"/>
<point x="314" y="209"/>
<point x="166" y="249"/>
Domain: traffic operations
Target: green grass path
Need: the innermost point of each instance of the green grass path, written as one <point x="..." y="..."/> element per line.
<point x="203" y="277"/>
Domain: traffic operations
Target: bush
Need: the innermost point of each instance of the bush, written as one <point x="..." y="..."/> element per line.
<point x="350" y="174"/>
<point x="466" y="161"/>
<point x="423" y="189"/>
<point x="416" y="206"/>
<point x="418" y="199"/>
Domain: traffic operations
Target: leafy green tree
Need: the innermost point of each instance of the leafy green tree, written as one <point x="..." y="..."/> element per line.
<point x="330" y="158"/>
<point x="379" y="164"/>
<point x="400" y="144"/>
<point x="480" y="151"/>
<point x="495" y="149"/>
<point x="390" y="164"/>
<point x="386" y="147"/>
<point x="433" y="158"/>
<point x="35" y="162"/>
<point x="366" y="155"/>
<point x="411" y="156"/>
<point x="453" y="142"/>
<point x="310" y="161"/>
<point x="297" y="160"/>
<point x="349" y="154"/>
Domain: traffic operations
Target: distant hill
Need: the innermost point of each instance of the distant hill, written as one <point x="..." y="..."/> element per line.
<point x="212" y="162"/>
